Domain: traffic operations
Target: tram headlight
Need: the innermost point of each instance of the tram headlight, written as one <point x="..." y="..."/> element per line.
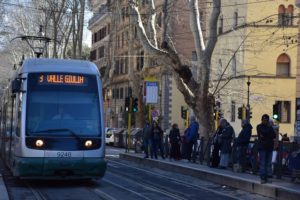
<point x="39" y="143"/>
<point x="88" y="144"/>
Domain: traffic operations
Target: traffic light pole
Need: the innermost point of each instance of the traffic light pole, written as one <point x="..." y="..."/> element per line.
<point x="129" y="123"/>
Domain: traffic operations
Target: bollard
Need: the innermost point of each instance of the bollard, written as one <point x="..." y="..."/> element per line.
<point x="279" y="160"/>
<point x="201" y="153"/>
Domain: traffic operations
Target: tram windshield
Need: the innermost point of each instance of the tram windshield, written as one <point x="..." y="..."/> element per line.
<point x="62" y="105"/>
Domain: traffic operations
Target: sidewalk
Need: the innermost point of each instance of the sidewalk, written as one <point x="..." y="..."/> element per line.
<point x="3" y="191"/>
<point x="278" y="189"/>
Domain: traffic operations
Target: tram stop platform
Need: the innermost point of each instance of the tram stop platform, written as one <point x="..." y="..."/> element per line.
<point x="3" y="190"/>
<point x="279" y="188"/>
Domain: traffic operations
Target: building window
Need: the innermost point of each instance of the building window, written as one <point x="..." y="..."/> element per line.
<point x="235" y="18"/>
<point x="93" y="55"/>
<point x="121" y="93"/>
<point x="126" y="65"/>
<point x="233" y="65"/>
<point x="281" y="15"/>
<point x="233" y="111"/>
<point x="117" y="67"/>
<point x="284" y="111"/>
<point x="290" y="15"/>
<point x="122" y="66"/>
<point x="283" y="65"/>
<point x="194" y="56"/>
<point x="286" y="15"/>
<point x="140" y="61"/>
<point x="101" y="51"/>
<point x="221" y="25"/>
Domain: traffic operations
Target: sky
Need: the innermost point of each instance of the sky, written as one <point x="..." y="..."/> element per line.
<point x="87" y="35"/>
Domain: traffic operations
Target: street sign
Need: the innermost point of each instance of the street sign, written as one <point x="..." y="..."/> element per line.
<point x="151" y="92"/>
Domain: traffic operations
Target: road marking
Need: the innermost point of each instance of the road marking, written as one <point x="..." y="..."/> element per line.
<point x="106" y="196"/>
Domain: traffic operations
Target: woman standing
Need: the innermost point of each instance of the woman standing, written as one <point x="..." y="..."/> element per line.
<point x="174" y="137"/>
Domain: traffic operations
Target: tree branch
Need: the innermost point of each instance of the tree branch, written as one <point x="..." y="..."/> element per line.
<point x="227" y="65"/>
<point x="213" y="25"/>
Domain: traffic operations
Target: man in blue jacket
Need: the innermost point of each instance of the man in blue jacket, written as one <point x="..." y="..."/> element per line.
<point x="191" y="136"/>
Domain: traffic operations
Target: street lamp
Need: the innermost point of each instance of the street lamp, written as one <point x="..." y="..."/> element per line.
<point x="37" y="43"/>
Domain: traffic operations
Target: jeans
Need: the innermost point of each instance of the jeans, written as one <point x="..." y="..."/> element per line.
<point x="224" y="159"/>
<point x="147" y="146"/>
<point x="265" y="159"/>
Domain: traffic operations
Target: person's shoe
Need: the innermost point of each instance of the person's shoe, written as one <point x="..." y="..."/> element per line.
<point x="263" y="181"/>
<point x="146" y="157"/>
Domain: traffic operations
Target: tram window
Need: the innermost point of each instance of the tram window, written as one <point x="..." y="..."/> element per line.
<point x="48" y="106"/>
<point x="19" y="115"/>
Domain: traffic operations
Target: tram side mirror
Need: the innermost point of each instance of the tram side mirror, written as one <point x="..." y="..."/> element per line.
<point x="16" y="86"/>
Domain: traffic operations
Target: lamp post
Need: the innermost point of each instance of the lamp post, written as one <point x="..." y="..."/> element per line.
<point x="248" y="99"/>
<point x="41" y="39"/>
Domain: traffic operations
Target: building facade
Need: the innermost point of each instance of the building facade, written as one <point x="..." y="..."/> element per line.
<point x="128" y="60"/>
<point x="267" y="34"/>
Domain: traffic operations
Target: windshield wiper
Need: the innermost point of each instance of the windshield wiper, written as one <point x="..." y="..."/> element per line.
<point x="58" y="130"/>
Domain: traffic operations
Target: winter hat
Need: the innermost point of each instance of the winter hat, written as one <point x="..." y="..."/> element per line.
<point x="265" y="117"/>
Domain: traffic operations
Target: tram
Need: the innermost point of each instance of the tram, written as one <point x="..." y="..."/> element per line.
<point x="51" y="120"/>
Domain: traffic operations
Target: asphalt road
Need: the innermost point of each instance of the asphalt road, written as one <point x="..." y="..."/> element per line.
<point x="122" y="181"/>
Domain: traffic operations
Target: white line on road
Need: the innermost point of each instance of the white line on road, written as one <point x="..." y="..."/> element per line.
<point x="103" y="194"/>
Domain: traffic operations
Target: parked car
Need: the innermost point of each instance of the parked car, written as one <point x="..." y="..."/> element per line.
<point x="109" y="136"/>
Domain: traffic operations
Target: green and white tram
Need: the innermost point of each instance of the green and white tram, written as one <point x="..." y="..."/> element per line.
<point x="52" y="120"/>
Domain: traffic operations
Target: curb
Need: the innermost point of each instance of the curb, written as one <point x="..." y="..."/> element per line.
<point x="252" y="186"/>
<point x="3" y="190"/>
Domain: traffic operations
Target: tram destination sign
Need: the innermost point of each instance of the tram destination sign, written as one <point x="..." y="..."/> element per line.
<point x="62" y="79"/>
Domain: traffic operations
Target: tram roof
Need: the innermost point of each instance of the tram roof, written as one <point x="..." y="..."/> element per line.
<point x="58" y="65"/>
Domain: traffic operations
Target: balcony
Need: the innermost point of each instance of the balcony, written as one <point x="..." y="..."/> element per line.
<point x="103" y="10"/>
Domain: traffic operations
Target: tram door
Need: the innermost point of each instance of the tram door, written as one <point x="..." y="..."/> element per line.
<point x="11" y="129"/>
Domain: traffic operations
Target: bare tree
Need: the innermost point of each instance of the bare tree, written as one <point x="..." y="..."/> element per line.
<point x="196" y="93"/>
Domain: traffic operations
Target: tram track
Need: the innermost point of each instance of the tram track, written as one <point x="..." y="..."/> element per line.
<point x="36" y="192"/>
<point x="133" y="176"/>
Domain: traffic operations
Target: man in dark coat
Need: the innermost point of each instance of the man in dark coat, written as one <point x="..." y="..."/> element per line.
<point x="147" y="140"/>
<point x="215" y="158"/>
<point x="157" y="135"/>
<point x="174" y="137"/>
<point x="242" y="143"/>
<point x="266" y="136"/>
<point x="226" y="138"/>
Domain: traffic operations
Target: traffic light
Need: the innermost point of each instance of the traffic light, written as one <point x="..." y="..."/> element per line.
<point x="276" y="113"/>
<point x="135" y="104"/>
<point x="127" y="103"/>
<point x="240" y="112"/>
<point x="249" y="113"/>
<point x="183" y="112"/>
